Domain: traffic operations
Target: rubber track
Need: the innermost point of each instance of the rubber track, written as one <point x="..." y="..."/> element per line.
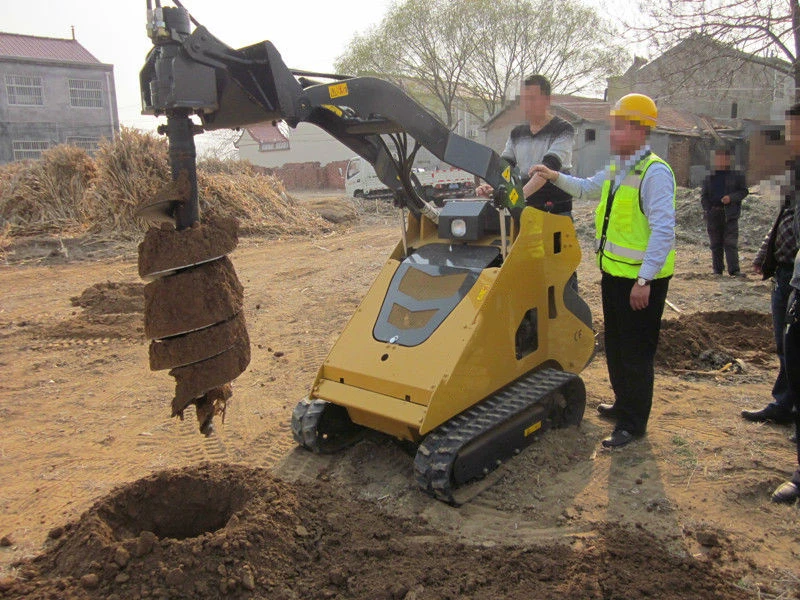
<point x="436" y="456"/>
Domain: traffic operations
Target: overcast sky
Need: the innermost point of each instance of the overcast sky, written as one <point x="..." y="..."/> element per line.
<point x="309" y="35"/>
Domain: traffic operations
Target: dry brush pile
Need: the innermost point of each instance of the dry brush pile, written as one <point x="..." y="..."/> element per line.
<point x="67" y="192"/>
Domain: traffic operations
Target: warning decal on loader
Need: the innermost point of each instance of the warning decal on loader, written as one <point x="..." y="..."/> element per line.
<point x="338" y="90"/>
<point x="533" y="428"/>
<point x="506" y="173"/>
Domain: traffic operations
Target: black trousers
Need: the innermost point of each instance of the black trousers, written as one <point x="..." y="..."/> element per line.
<point x="631" y="337"/>
<point x="723" y="236"/>
<point x="791" y="349"/>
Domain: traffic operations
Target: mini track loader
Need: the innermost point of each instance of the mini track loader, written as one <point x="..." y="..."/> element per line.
<point x="469" y="342"/>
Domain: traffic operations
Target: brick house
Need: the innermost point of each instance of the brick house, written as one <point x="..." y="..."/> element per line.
<point x="704" y="76"/>
<point x="709" y="78"/>
<point x="54" y="92"/>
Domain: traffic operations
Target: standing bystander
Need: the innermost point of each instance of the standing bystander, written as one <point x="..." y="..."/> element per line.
<point x="775" y="259"/>
<point x="790" y="490"/>
<point x="722" y="195"/>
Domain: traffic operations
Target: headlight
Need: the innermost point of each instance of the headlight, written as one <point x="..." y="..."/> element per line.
<point x="458" y="228"/>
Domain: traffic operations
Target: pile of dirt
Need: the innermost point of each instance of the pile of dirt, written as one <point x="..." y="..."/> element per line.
<point x="69" y="192"/>
<point x="759" y="210"/>
<point x="706" y="340"/>
<point x="111" y="297"/>
<point x="230" y="531"/>
<point x="684" y="342"/>
<point x="111" y="310"/>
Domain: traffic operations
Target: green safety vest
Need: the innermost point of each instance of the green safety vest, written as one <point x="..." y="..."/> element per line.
<point x="622" y="230"/>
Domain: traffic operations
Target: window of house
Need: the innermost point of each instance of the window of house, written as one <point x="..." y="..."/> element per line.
<point x="773" y="136"/>
<point x="24" y="90"/>
<point x="29" y="149"/>
<point x="90" y="144"/>
<point x="267" y="146"/>
<point x="734" y="109"/>
<point x="86" y="93"/>
<point x="589" y="135"/>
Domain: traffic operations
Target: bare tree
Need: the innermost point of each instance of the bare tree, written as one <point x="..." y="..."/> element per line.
<point x="758" y="32"/>
<point x="219" y="144"/>
<point x="480" y="49"/>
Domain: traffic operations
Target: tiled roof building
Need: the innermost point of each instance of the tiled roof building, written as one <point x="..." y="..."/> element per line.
<point x="54" y="91"/>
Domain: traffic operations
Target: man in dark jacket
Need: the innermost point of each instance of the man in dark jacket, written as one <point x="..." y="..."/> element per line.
<point x="790" y="491"/>
<point x="776" y="259"/>
<point x="722" y="195"/>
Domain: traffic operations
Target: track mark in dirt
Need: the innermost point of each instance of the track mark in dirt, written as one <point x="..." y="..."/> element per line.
<point x="270" y="448"/>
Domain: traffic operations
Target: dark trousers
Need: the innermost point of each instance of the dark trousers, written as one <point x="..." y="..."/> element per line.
<point x="783" y="396"/>
<point x="631" y="337"/>
<point x="792" y="356"/>
<point x="723" y="235"/>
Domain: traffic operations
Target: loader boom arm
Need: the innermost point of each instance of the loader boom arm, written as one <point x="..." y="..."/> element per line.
<point x="193" y="73"/>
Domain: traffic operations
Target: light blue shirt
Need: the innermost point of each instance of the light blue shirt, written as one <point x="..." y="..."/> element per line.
<point x="657" y="196"/>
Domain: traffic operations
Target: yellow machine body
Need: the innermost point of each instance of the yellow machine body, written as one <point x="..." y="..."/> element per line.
<point x="407" y="391"/>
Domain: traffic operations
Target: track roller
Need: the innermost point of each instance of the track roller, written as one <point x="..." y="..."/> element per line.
<point x="323" y="427"/>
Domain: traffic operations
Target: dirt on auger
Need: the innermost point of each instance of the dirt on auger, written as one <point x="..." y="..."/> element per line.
<point x="194" y="313"/>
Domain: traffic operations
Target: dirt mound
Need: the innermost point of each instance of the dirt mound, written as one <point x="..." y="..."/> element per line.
<point x="338" y="210"/>
<point x="229" y="531"/>
<point x="111" y="297"/>
<point x="759" y="210"/>
<point x="684" y="342"/>
<point x="706" y="340"/>
<point x="111" y="310"/>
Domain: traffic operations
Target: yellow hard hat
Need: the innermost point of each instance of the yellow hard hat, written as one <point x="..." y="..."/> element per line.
<point x="636" y="107"/>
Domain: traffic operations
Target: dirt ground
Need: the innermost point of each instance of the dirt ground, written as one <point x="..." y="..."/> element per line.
<point x="102" y="495"/>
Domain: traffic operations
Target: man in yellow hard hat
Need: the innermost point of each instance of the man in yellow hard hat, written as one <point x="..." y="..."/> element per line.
<point x="635" y="250"/>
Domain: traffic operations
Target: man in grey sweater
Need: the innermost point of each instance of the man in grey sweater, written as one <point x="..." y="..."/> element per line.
<point x="544" y="139"/>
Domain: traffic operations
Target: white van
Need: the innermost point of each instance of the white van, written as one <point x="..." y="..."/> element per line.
<point x="438" y="183"/>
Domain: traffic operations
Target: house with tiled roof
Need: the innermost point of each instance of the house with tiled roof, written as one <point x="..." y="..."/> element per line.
<point x="54" y="92"/>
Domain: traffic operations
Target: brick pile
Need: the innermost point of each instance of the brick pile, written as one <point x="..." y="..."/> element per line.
<point x="311" y="175"/>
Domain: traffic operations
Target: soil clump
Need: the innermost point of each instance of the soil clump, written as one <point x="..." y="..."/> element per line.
<point x="217" y="531"/>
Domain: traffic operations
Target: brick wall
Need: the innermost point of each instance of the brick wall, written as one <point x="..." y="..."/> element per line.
<point x="679" y="158"/>
<point x="311" y="176"/>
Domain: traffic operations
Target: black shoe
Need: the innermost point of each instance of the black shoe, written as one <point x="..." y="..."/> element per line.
<point x="786" y="493"/>
<point x="608" y="411"/>
<point x="618" y="439"/>
<point x="738" y="274"/>
<point x="768" y="414"/>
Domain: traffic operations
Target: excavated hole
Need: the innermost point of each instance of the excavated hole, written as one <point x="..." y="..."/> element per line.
<point x="174" y="506"/>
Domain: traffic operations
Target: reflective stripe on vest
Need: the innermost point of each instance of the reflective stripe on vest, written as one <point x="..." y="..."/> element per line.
<point x="621" y="250"/>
